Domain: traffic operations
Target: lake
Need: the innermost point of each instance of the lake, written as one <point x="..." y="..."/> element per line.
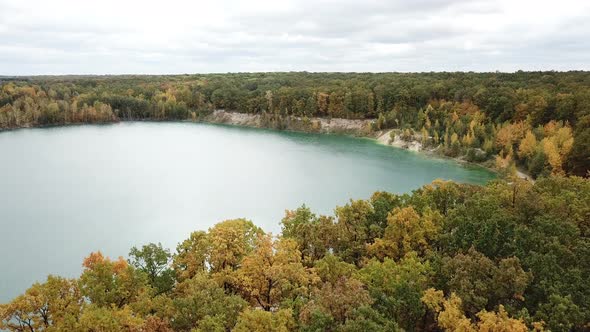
<point x="68" y="191"/>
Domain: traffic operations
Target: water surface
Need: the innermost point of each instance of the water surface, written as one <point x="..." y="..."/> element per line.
<point x="65" y="192"/>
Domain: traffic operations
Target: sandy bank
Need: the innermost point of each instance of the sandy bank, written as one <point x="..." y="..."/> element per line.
<point x="395" y="140"/>
<point x="352" y="127"/>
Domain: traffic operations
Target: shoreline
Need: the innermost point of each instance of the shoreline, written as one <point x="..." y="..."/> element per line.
<point x="359" y="128"/>
<point x="348" y="127"/>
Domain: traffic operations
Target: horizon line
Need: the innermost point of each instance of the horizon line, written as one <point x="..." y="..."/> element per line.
<point x="301" y="72"/>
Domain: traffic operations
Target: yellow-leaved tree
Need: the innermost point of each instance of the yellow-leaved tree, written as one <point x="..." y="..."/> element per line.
<point x="557" y="146"/>
<point x="53" y="305"/>
<point x="406" y="231"/>
<point x="191" y="256"/>
<point x="229" y="242"/>
<point x="265" y="321"/>
<point x="527" y="145"/>
<point x="450" y="316"/>
<point x="273" y="272"/>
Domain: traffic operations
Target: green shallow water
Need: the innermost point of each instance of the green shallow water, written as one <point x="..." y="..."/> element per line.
<point x="65" y="192"/>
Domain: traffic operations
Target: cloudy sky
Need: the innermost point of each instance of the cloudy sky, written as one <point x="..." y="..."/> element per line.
<point x="178" y="36"/>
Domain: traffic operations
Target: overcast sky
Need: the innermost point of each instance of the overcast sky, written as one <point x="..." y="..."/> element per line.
<point x="177" y="36"/>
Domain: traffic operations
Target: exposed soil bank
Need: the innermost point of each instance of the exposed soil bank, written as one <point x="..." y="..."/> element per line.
<point x="312" y="125"/>
<point x="391" y="137"/>
<point x="360" y="128"/>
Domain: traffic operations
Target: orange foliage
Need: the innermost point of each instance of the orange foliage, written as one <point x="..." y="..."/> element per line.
<point x="93" y="259"/>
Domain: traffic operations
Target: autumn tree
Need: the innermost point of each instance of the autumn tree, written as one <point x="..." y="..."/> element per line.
<point x="527" y="145"/>
<point x="109" y="283"/>
<point x="54" y="305"/>
<point x="449" y="315"/>
<point x="229" y="242"/>
<point x="557" y="146"/>
<point x="406" y="231"/>
<point x="333" y="304"/>
<point x="191" y="256"/>
<point x="265" y="321"/>
<point x="99" y="318"/>
<point x="273" y="272"/>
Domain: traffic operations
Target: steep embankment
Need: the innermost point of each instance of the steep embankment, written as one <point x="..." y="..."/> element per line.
<point x="391" y="137"/>
<point x="352" y="127"/>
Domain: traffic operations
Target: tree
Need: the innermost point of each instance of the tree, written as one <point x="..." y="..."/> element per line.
<point x="352" y="230"/>
<point x="440" y="195"/>
<point x="331" y="268"/>
<point x="191" y="256"/>
<point x="200" y="303"/>
<point x="482" y="284"/>
<point x="557" y="145"/>
<point x="449" y="315"/>
<point x="499" y="321"/>
<point x="229" y="242"/>
<point x="265" y="321"/>
<point x="553" y="155"/>
<point x="54" y="305"/>
<point x="485" y="222"/>
<point x="109" y="283"/>
<point x="273" y="272"/>
<point x="312" y="234"/>
<point x="334" y="303"/>
<point x="397" y="288"/>
<point x="448" y="312"/>
<point x="579" y="158"/>
<point x="99" y="318"/>
<point x="154" y="261"/>
<point x="383" y="203"/>
<point x="560" y="313"/>
<point x="527" y="146"/>
<point x="406" y="231"/>
<point x="365" y="318"/>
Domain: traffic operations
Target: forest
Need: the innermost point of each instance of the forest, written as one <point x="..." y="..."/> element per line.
<point x="538" y="122"/>
<point x="507" y="256"/>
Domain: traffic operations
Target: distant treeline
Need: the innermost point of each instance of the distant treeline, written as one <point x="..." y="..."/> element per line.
<point x="508" y="256"/>
<point x="538" y="121"/>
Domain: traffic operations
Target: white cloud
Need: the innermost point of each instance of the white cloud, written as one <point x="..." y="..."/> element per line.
<point x="182" y="36"/>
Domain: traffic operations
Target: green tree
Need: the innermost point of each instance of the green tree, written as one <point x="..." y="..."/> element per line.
<point x="154" y="261"/>
<point x="312" y="234"/>
<point x="397" y="288"/>
<point x="201" y="304"/>
<point x="483" y="284"/>
<point x="352" y="230"/>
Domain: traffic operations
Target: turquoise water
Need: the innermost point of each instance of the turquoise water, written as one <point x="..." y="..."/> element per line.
<point x="65" y="192"/>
